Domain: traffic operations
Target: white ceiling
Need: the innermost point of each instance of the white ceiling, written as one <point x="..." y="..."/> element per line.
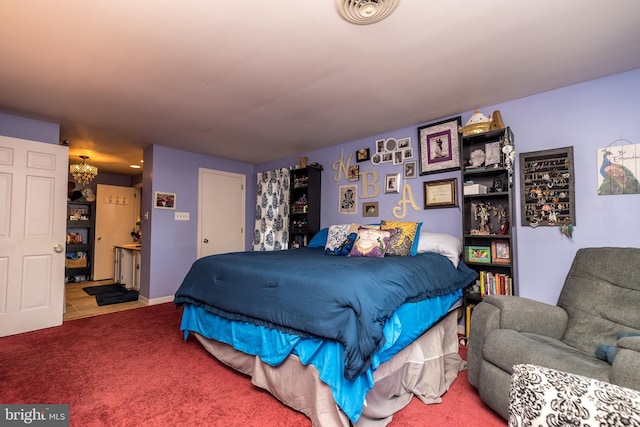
<point x="255" y="81"/>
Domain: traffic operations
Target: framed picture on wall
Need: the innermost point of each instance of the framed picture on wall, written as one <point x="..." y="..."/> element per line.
<point x="441" y="193"/>
<point x="354" y="173"/>
<point x="439" y="146"/>
<point x="362" y="155"/>
<point x="410" y="169"/>
<point x="404" y="143"/>
<point x="369" y="208"/>
<point x="348" y="199"/>
<point x="392" y="183"/>
<point x="164" y="200"/>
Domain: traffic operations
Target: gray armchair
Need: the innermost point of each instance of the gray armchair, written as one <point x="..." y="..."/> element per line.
<point x="600" y="300"/>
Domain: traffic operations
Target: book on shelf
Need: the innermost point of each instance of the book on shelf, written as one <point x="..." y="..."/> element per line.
<point x="492" y="283"/>
<point x="467" y="318"/>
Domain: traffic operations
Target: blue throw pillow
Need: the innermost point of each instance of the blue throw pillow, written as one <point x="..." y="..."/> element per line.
<point x="414" y="247"/>
<point x="320" y="239"/>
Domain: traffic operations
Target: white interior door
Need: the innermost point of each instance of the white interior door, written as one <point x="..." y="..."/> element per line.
<point x="221" y="212"/>
<point x="116" y="211"/>
<point x="33" y="211"/>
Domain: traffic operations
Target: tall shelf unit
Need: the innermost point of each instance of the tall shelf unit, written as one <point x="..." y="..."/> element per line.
<point x="488" y="215"/>
<point x="304" y="203"/>
<point x="79" y="249"/>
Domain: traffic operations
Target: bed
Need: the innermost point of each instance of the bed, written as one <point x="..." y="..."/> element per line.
<point x="344" y="340"/>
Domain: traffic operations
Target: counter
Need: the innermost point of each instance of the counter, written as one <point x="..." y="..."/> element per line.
<point x="126" y="268"/>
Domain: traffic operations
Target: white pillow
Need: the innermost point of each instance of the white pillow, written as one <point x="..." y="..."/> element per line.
<point x="441" y="243"/>
<point x="338" y="234"/>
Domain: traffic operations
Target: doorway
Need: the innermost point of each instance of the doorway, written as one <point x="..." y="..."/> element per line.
<point x="117" y="210"/>
<point x="221" y="216"/>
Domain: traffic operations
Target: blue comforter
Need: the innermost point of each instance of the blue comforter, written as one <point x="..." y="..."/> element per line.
<point x="308" y="293"/>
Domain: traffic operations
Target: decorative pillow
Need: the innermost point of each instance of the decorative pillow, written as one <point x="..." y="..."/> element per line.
<point x="414" y="247"/>
<point x="541" y="396"/>
<point x="371" y="226"/>
<point x="320" y="239"/>
<point x="345" y="248"/>
<point x="337" y="235"/>
<point x="441" y="243"/>
<point x="394" y="238"/>
<point x="403" y="241"/>
<point x="370" y="243"/>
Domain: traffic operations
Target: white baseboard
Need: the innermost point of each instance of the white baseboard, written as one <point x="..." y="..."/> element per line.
<point x="154" y="301"/>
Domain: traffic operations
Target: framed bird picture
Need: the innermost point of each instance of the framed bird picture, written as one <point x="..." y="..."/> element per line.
<point x="547" y="194"/>
<point x="619" y="169"/>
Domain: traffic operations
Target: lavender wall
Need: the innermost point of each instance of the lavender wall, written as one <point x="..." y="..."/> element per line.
<point x="34" y="130"/>
<point x="173" y="244"/>
<point x="586" y="116"/>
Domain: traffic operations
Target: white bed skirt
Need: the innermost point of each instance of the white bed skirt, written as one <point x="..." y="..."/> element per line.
<point x="426" y="368"/>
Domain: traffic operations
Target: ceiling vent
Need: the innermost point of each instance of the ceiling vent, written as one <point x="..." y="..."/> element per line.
<point x="363" y="12"/>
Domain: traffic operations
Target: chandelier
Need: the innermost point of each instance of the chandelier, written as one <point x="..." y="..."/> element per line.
<point x="82" y="172"/>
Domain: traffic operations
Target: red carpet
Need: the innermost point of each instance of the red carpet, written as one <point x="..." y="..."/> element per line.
<point x="132" y="368"/>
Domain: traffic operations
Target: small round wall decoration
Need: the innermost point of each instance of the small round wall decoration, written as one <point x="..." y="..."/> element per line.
<point x="376" y="158"/>
<point x="390" y="144"/>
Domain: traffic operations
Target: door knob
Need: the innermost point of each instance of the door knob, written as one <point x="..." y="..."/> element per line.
<point x="206" y="240"/>
<point x="58" y="248"/>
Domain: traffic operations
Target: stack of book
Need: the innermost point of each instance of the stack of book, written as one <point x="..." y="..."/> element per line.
<point x="492" y="283"/>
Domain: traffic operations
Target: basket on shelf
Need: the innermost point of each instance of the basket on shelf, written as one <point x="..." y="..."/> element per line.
<point x="75" y="263"/>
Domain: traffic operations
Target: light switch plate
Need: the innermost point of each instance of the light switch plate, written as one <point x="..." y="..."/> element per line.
<point x="182" y="216"/>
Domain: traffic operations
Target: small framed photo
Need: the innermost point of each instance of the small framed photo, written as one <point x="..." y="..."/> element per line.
<point x="492" y="153"/>
<point x="376" y="159"/>
<point x="362" y="155"/>
<point x="441" y="193"/>
<point x="478" y="254"/>
<point x="348" y="199"/>
<point x="392" y="183"/>
<point x="501" y="251"/>
<point x="404" y="143"/>
<point x="410" y="169"/>
<point x="397" y="157"/>
<point x="379" y="145"/>
<point x="439" y="146"/>
<point x="164" y="200"/>
<point x="354" y="173"/>
<point x="369" y="208"/>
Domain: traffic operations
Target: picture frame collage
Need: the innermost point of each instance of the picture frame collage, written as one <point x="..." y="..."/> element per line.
<point x="438" y="151"/>
<point x="397" y="152"/>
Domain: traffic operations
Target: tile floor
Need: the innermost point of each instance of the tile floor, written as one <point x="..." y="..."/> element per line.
<point x="80" y="304"/>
